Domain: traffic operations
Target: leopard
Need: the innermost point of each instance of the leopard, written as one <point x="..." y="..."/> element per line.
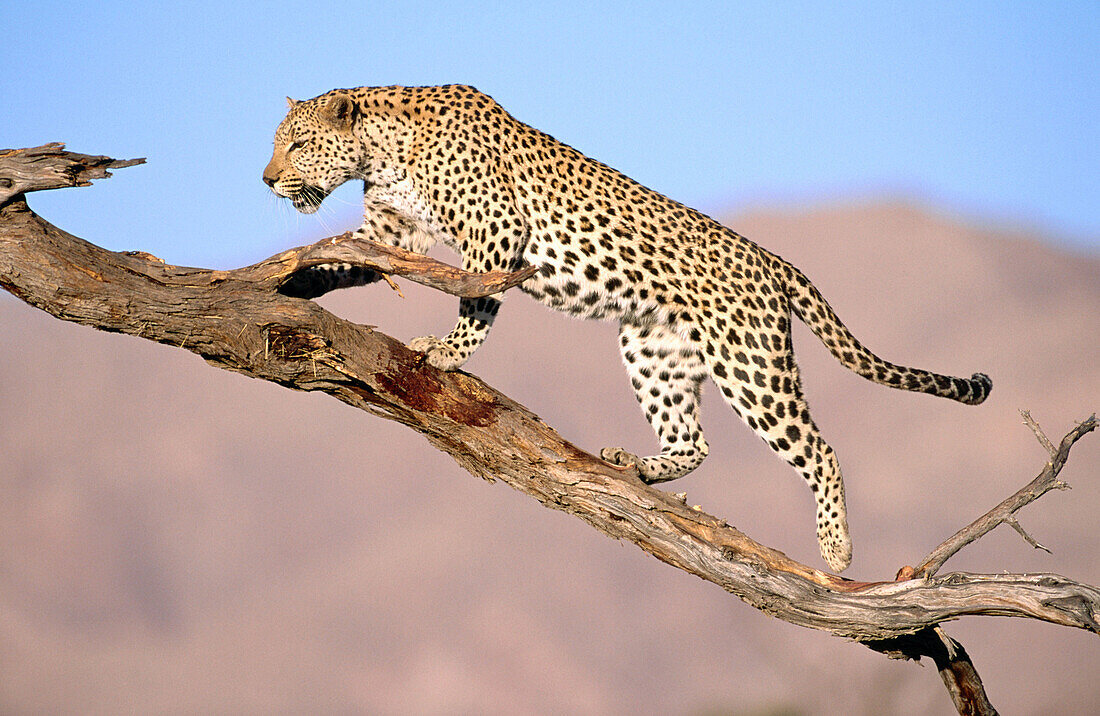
<point x="447" y="165"/>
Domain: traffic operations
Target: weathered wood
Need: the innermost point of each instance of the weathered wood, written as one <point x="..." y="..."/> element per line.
<point x="238" y="321"/>
<point x="51" y="167"/>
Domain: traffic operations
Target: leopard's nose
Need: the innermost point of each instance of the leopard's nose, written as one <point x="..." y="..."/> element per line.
<point x="271" y="175"/>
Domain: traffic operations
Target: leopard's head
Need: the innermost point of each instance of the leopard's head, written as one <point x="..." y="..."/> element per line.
<point x="315" y="150"/>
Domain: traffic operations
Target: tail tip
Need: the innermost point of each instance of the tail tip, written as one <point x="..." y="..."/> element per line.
<point x="980" y="387"/>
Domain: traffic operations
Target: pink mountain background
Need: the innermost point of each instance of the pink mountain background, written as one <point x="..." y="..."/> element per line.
<point x="179" y="539"/>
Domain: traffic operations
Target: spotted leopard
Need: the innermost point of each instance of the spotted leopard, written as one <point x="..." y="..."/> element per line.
<point x="693" y="299"/>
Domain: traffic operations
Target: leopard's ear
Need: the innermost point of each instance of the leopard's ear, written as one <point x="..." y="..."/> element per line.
<point x="338" y="109"/>
<point x="290" y="103"/>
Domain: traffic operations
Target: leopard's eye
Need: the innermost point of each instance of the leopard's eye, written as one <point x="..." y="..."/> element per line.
<point x="295" y="145"/>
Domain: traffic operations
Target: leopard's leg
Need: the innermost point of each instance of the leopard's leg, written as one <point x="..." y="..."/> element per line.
<point x="318" y="280"/>
<point x="760" y="381"/>
<point x="475" y="315"/>
<point x="385" y="224"/>
<point x="381" y="223"/>
<point x="487" y="244"/>
<point x="475" y="318"/>
<point x="666" y="372"/>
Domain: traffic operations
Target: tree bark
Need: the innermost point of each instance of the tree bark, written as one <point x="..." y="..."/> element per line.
<point x="237" y="320"/>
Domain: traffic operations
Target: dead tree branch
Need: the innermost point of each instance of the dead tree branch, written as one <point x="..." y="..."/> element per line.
<point x="238" y="321"/>
<point x="51" y="167"/>
<point x="1005" y="511"/>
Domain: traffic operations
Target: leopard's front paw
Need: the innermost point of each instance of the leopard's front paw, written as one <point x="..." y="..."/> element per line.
<point x="437" y="352"/>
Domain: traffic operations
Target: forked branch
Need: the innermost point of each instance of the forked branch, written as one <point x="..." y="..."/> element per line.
<point x="237" y="320"/>
<point x="1004" y="513"/>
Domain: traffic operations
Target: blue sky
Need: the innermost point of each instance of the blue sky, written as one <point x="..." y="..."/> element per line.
<point x="986" y="109"/>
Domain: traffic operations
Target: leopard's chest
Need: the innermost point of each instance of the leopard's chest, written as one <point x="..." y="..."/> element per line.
<point x="402" y="196"/>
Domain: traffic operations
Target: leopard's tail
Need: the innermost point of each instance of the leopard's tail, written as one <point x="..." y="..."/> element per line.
<point x="812" y="308"/>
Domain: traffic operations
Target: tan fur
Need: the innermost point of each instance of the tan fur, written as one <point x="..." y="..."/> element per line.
<point x="693" y="298"/>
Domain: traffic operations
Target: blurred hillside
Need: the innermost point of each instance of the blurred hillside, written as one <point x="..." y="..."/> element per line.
<point x="177" y="539"/>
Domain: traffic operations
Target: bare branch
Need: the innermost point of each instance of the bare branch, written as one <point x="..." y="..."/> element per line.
<point x="51" y="167"/>
<point x="1043" y="483"/>
<point x="1015" y="524"/>
<point x="1039" y="434"/>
